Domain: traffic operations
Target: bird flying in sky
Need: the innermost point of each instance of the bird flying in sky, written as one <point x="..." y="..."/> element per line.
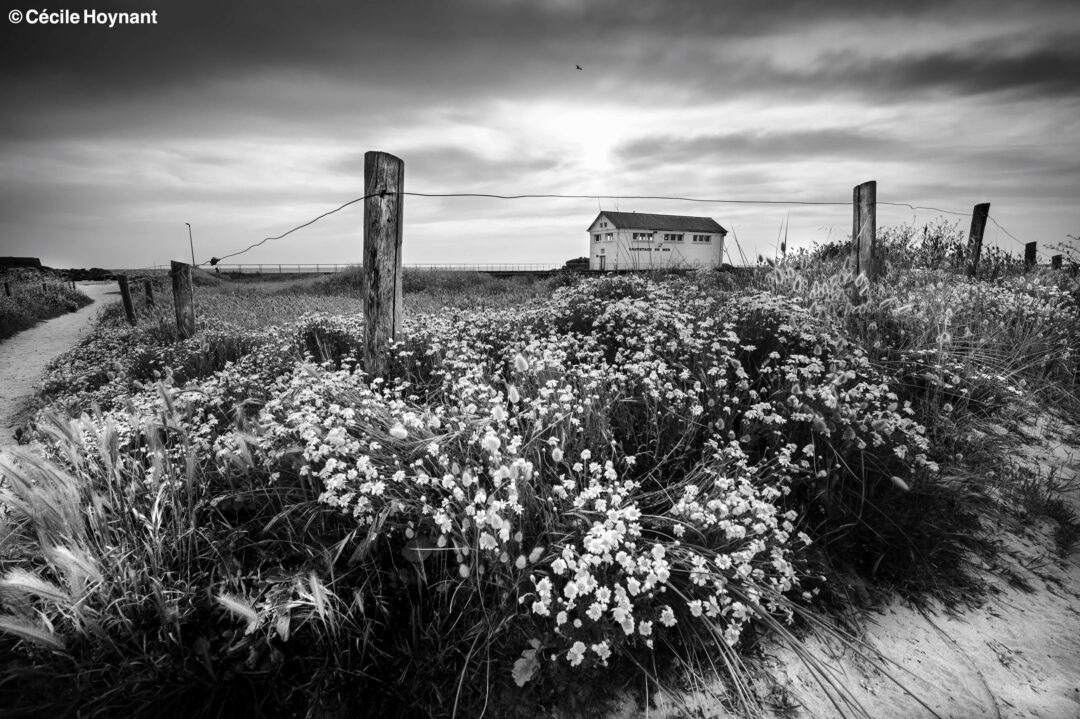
<point x="578" y="67"/>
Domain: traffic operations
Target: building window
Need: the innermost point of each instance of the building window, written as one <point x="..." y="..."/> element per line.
<point x="643" y="236"/>
<point x="596" y="237"/>
<point x="673" y="237"/>
<point x="702" y="238"/>
<point x="609" y="237"/>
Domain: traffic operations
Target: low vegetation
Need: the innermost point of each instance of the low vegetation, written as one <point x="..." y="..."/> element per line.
<point x="29" y="296"/>
<point x="562" y="490"/>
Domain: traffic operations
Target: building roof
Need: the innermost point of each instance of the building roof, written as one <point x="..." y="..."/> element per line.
<point x="648" y="221"/>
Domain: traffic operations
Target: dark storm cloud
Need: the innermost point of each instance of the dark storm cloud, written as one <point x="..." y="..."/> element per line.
<point x="258" y="66"/>
<point x="1047" y="71"/>
<point x="443" y="48"/>
<point x="306" y="62"/>
<point x="1047" y="67"/>
<point x="194" y="40"/>
<point x="762" y="148"/>
<point x="420" y="44"/>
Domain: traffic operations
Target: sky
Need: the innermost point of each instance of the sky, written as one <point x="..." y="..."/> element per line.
<point x="248" y="118"/>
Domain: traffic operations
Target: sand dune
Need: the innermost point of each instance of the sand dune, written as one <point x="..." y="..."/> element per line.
<point x="1014" y="656"/>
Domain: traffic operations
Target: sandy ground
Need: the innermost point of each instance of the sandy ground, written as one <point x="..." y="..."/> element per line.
<point x="23" y="357"/>
<point x="1017" y="656"/>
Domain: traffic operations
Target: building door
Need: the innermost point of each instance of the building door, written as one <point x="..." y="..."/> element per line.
<point x="603" y="262"/>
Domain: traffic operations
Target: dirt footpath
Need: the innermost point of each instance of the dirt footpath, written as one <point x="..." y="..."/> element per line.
<point x="23" y="357"/>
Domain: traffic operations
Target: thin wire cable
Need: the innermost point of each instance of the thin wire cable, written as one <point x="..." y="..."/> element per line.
<point x="924" y="207"/>
<point x="619" y="197"/>
<point x="298" y="227"/>
<point x="520" y="197"/>
<point x="706" y="200"/>
<point x="597" y="197"/>
<point x="1009" y="234"/>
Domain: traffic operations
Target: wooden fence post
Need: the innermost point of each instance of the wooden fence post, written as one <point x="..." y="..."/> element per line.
<point x="1029" y="255"/>
<point x="44" y="286"/>
<point x="864" y="228"/>
<point x="384" y="177"/>
<point x="183" y="298"/>
<point x="7" y="289"/>
<point x="975" y="237"/>
<point x="148" y="289"/>
<point x="125" y="295"/>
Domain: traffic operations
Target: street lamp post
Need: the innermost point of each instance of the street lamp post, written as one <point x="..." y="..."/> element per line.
<point x="191" y="275"/>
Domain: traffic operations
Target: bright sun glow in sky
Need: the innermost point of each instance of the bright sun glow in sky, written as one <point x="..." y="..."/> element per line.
<point x="247" y="119"/>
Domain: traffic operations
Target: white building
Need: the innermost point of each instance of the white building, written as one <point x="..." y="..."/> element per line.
<point x="641" y="241"/>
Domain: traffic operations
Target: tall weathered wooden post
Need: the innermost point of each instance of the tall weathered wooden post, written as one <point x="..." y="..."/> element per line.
<point x="1055" y="262"/>
<point x="7" y="289"/>
<point x="183" y="298"/>
<point x="1030" y="253"/>
<point x="148" y="291"/>
<point x="125" y="295"/>
<point x="384" y="177"/>
<point x="975" y="237"/>
<point x="864" y="228"/>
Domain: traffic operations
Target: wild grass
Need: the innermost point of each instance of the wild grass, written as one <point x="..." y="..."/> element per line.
<point x="562" y="489"/>
<point x="962" y="350"/>
<point x="433" y="290"/>
<point x="35" y="296"/>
